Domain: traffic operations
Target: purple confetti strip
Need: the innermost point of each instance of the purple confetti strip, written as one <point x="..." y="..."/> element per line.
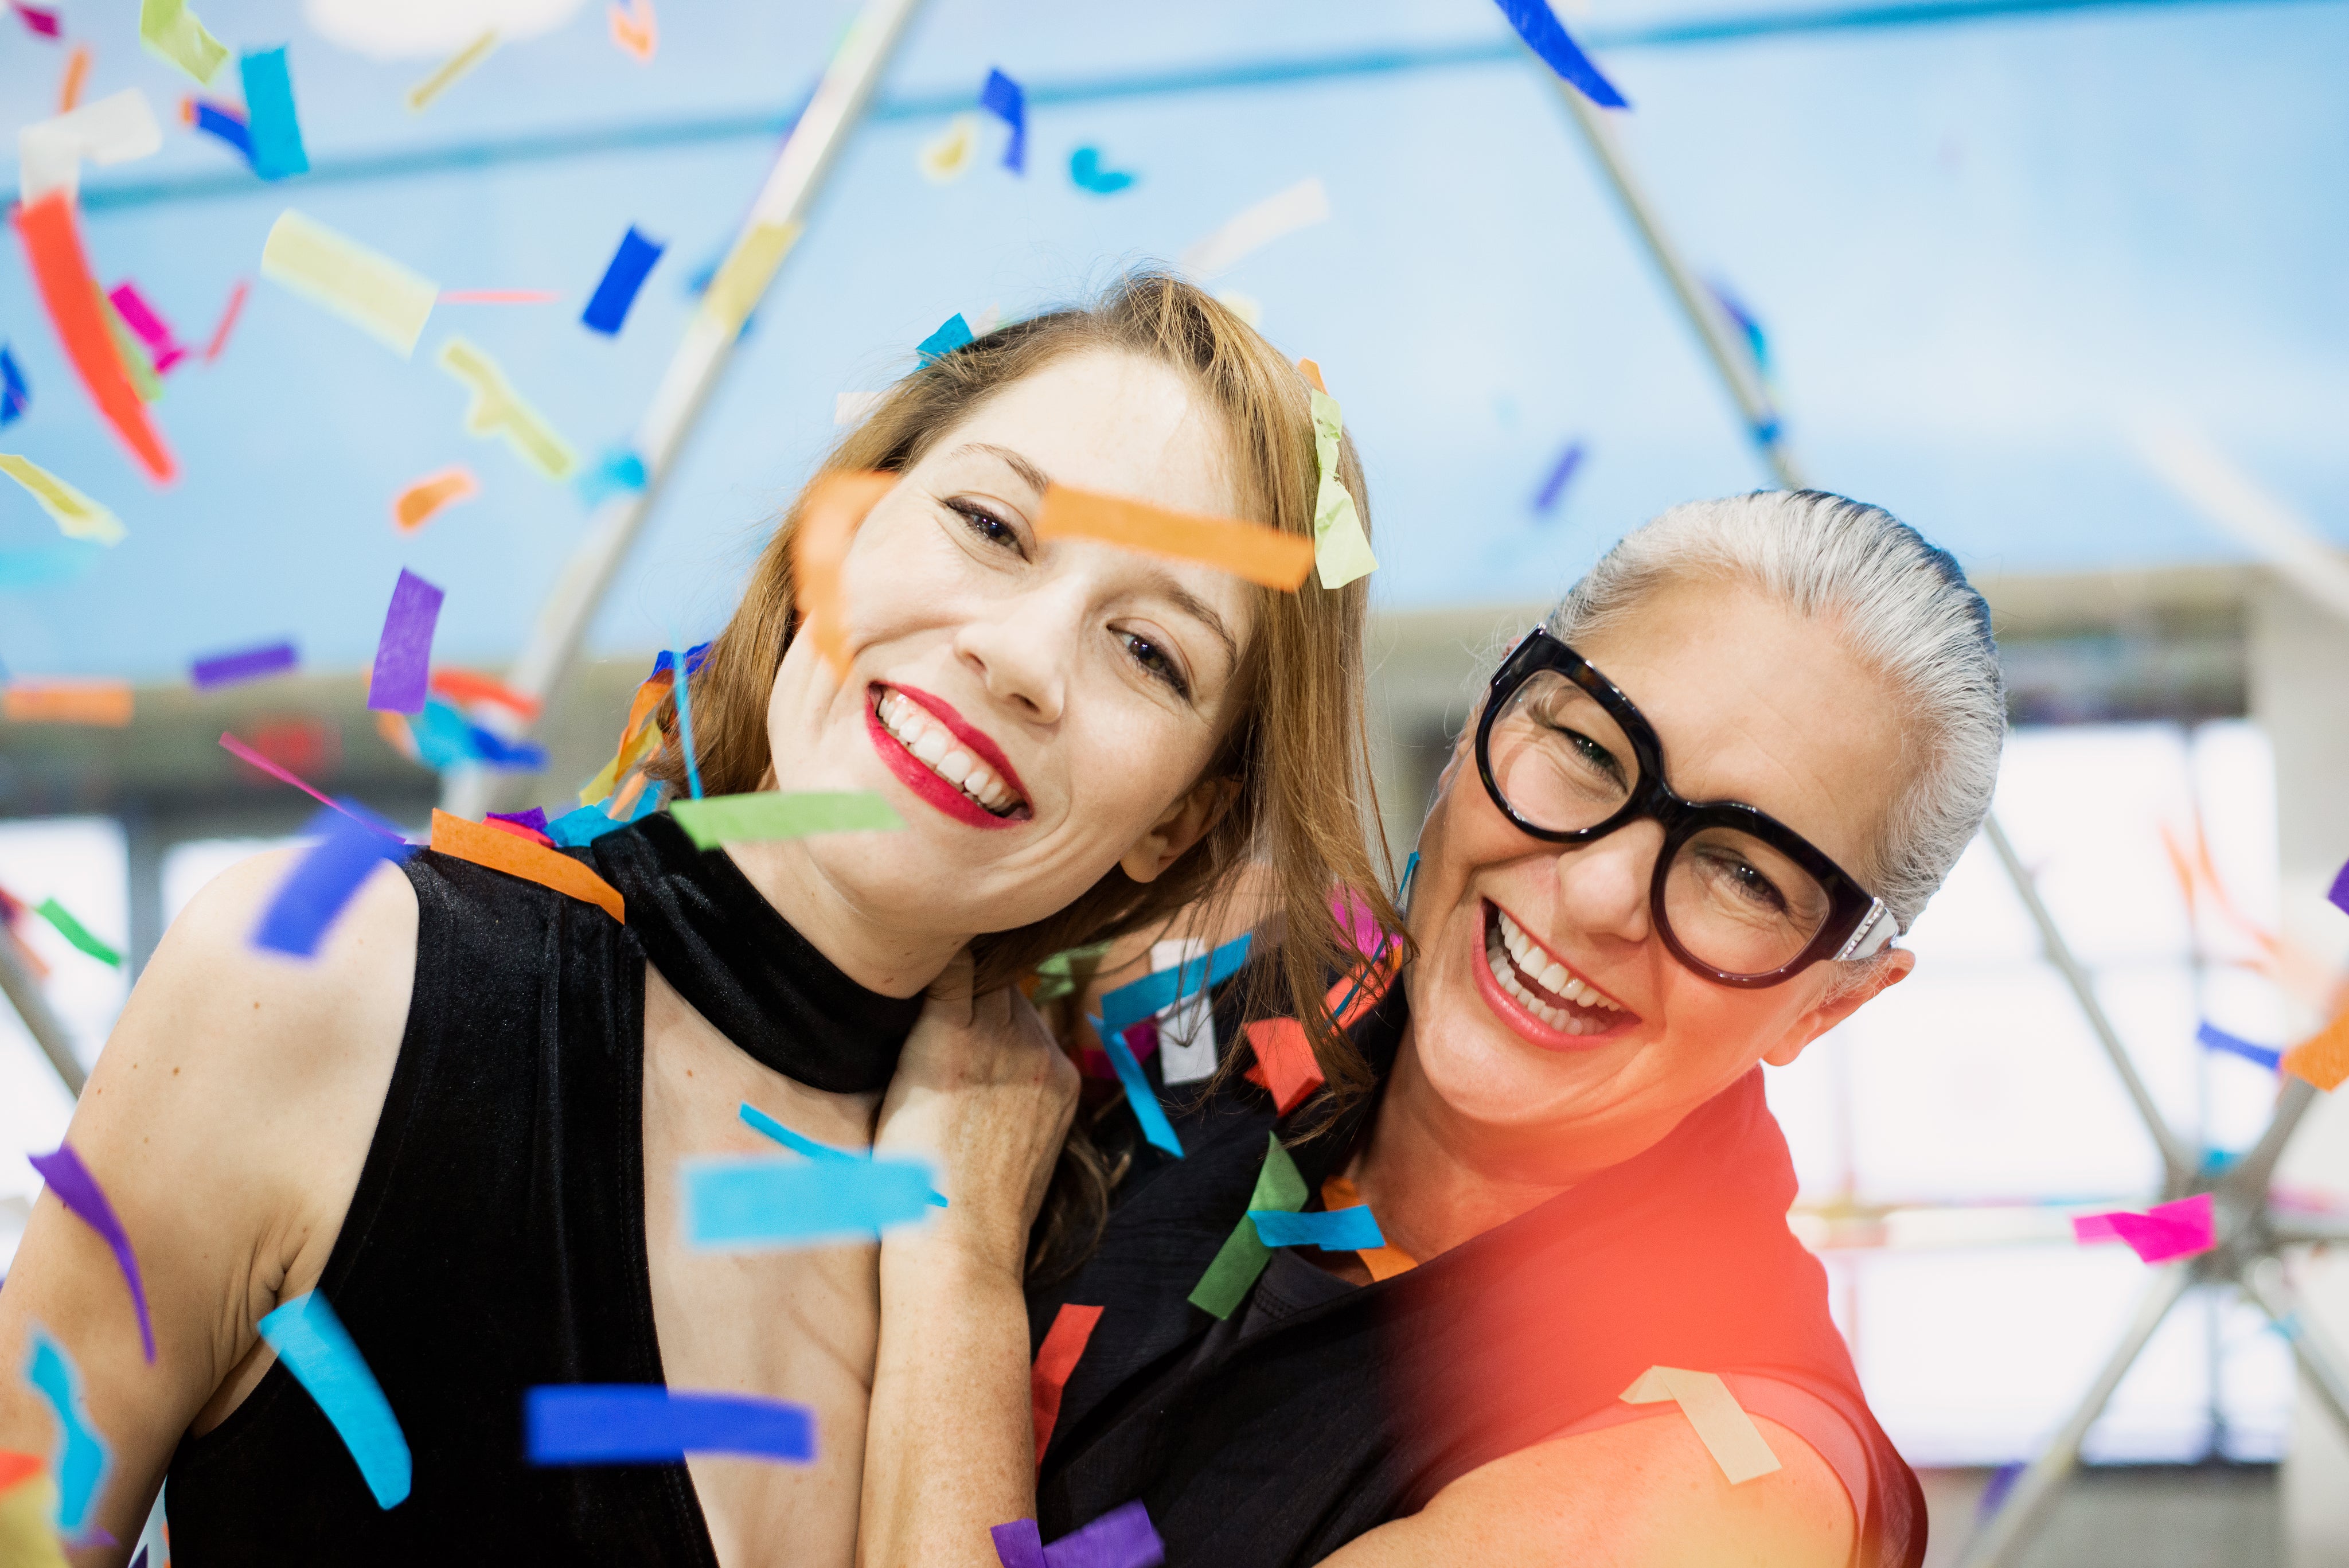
<point x="2340" y="894"/>
<point x="245" y="664"/>
<point x="1554" y="485"/>
<point x="78" y="1190"/>
<point x="403" y="657"/>
<point x="1018" y="1544"/>
<point x="534" y="818"/>
<point x="1121" y="1538"/>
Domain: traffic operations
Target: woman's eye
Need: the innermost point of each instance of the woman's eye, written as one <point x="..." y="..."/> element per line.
<point x="1154" y="659"/>
<point x="985" y="525"/>
<point x="1591" y="755"/>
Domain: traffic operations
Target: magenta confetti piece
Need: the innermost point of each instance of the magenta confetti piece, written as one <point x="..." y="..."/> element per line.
<point x="78" y="1190"/>
<point x="403" y="657"/>
<point x="152" y="330"/>
<point x="43" y="22"/>
<point x="2162" y="1233"/>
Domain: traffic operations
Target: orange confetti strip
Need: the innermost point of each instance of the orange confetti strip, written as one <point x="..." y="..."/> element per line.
<point x="1384" y="1262"/>
<point x="2323" y="1058"/>
<point x="68" y="701"/>
<point x="635" y="29"/>
<point x="836" y="504"/>
<point x="485" y="845"/>
<point x="1249" y="550"/>
<point x="472" y="686"/>
<point x="1063" y="1348"/>
<point x="393" y="728"/>
<point x="416" y="505"/>
<point x="77" y="73"/>
<point x="53" y="250"/>
<point x="1283" y="1061"/>
<point x="1312" y="374"/>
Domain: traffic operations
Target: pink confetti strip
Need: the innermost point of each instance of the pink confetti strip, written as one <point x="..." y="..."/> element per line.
<point x="499" y="296"/>
<point x="152" y="329"/>
<point x="2162" y="1233"/>
<point x="243" y="752"/>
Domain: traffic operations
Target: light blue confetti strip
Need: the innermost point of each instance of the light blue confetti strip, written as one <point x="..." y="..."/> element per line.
<point x="798" y="1143"/>
<point x="1146" y="1108"/>
<point x="1129" y="1004"/>
<point x="757" y="1200"/>
<point x="685" y="725"/>
<point x="79" y="1464"/>
<point x="310" y="1339"/>
<point x="1333" y="1230"/>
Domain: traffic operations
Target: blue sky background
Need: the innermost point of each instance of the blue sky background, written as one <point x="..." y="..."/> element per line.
<point x="1981" y="249"/>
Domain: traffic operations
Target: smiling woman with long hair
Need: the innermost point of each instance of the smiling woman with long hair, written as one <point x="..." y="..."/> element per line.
<point x="461" y="1124"/>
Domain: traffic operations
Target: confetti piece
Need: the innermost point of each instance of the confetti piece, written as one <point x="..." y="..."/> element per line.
<point x="631" y="1423"/>
<point x="608" y="308"/>
<point x="78" y="1190"/>
<point x="1543" y="34"/>
<point x="953" y="333"/>
<point x="35" y="20"/>
<point x="367" y="820"/>
<point x="1279" y="1185"/>
<point x="53" y="249"/>
<point x="75" y="514"/>
<point x="852" y="407"/>
<point x="1085" y="169"/>
<point x="173" y="35"/>
<point x="620" y="473"/>
<point x="499" y="296"/>
<point x="1284" y="1066"/>
<point x="222" y="123"/>
<point x="67" y="700"/>
<point x="1121" y="1538"/>
<point x="1018" y="1544"/>
<point x="454" y="835"/>
<point x="456" y="66"/>
<point x="77" y="73"/>
<point x="417" y="504"/>
<point x="116" y="128"/>
<point x="1064" y="1346"/>
<point x="497" y="410"/>
<point x="1342" y="551"/>
<point x="151" y="329"/>
<point x="2323" y="1058"/>
<point x="1139" y="1095"/>
<point x="766" y="1200"/>
<point x="2338" y="895"/>
<point x="403" y="654"/>
<point x="310" y="1340"/>
<point x="1383" y="1262"/>
<point x="15" y="396"/>
<point x="2213" y="1038"/>
<point x="472" y="686"/>
<point x="228" y="320"/>
<point x="245" y="664"/>
<point x="766" y="814"/>
<point x="1300" y="206"/>
<point x="836" y="504"/>
<point x="80" y="1462"/>
<point x="1312" y="374"/>
<point x="1001" y="97"/>
<point x="74" y="932"/>
<point x="1721" y="1424"/>
<point x="1546" y="498"/>
<point x="127" y="351"/>
<point x="1129" y="1004"/>
<point x="1251" y="550"/>
<point x="634" y="28"/>
<point x="2165" y="1231"/>
<point x="28" y="1510"/>
<point x="759" y="1121"/>
<point x="741" y="279"/>
<point x="1758" y="342"/>
<point x="1333" y="1230"/>
<point x="274" y="126"/>
<point x="946" y="157"/>
<point x="327" y="878"/>
<point x="364" y="287"/>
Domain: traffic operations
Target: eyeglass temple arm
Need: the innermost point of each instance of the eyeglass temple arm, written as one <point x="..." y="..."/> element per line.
<point x="1875" y="931"/>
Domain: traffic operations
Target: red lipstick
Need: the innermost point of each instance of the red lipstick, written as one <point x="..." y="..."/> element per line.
<point x="916" y="775"/>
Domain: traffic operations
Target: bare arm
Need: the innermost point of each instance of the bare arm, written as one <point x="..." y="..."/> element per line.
<point x="226" y="1120"/>
<point x="949" y="1445"/>
<point x="1645" y="1493"/>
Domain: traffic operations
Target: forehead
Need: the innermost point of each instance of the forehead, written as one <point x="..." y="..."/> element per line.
<point x="1756" y="703"/>
<point x="1107" y="420"/>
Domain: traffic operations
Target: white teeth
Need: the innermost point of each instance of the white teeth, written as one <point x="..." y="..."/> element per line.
<point x="935" y="746"/>
<point x="956" y="764"/>
<point x="1552" y="976"/>
<point x="931" y="747"/>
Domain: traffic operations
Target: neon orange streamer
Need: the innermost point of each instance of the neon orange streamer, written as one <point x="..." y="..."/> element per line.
<point x="53" y="251"/>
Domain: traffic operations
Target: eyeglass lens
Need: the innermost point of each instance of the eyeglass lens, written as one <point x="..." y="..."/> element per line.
<point x="1563" y="764"/>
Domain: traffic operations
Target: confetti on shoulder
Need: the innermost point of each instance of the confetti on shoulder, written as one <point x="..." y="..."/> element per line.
<point x="484" y="846"/>
<point x="1249" y="550"/>
<point x="734" y="818"/>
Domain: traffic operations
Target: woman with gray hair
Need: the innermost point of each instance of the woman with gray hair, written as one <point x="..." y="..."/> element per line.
<point x="1692" y="813"/>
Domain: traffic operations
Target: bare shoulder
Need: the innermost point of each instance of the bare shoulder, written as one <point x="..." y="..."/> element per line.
<point x="1644" y="1493"/>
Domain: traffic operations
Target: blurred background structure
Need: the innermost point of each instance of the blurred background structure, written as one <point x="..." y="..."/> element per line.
<point x="2058" y="281"/>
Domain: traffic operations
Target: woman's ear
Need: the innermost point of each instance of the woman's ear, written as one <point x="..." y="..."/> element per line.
<point x="1186" y="823"/>
<point x="1840" y="1002"/>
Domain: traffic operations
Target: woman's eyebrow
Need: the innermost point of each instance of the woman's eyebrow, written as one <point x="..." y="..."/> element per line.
<point x="1200" y="610"/>
<point x="1035" y="477"/>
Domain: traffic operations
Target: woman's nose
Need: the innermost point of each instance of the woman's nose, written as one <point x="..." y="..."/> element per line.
<point x="1022" y="649"/>
<point x="1603" y="886"/>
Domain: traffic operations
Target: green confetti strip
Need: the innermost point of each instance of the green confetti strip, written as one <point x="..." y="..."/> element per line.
<point x="1279" y="1185"/>
<point x="78" y="934"/>
<point x="765" y="813"/>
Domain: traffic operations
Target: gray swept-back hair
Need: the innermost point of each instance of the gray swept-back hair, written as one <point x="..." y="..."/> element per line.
<point x="1901" y="605"/>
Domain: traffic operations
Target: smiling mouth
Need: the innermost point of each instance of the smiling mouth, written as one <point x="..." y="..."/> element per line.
<point x="948" y="758"/>
<point x="1539" y="982"/>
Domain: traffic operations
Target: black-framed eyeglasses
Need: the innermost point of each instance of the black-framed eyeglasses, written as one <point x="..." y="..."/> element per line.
<point x="1738" y="897"/>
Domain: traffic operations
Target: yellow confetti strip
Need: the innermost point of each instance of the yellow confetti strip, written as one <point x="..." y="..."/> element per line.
<point x="462" y="61"/>
<point x="1721" y="1424"/>
<point x="365" y="287"/>
<point x="742" y="278"/>
<point x="946" y="156"/>
<point x="77" y="515"/>
<point x="497" y="410"/>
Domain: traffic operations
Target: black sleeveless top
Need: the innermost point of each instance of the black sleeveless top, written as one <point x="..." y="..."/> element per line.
<point x="1311" y="1416"/>
<point x="496" y="1240"/>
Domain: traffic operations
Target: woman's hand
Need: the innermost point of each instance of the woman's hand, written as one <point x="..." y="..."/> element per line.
<point x="982" y="1090"/>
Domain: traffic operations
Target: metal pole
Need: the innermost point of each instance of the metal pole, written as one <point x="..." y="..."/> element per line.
<point x="2005" y="1530"/>
<point x="25" y="993"/>
<point x="2264" y="1283"/>
<point x="781" y="210"/>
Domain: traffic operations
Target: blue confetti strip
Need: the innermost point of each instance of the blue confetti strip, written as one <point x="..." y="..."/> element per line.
<point x="1333" y="1230"/>
<point x="584" y="825"/>
<point x="951" y="335"/>
<point x="326" y="879"/>
<point x="2215" y="1039"/>
<point x="633" y="1424"/>
<point x="79" y="1464"/>
<point x="684" y="690"/>
<point x="800" y="1143"/>
<point x="608" y="308"/>
<point x="694" y="658"/>
<point x="1001" y="97"/>
<point x="1085" y="168"/>
<point x="1538" y="26"/>
<point x="620" y="473"/>
<point x="15" y="396"/>
<point x="310" y="1339"/>
<point x="273" y="128"/>
<point x="1554" y="485"/>
<point x="757" y="1200"/>
<point x="215" y="121"/>
<point x="1138" y="1093"/>
<point x="1129" y="1004"/>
